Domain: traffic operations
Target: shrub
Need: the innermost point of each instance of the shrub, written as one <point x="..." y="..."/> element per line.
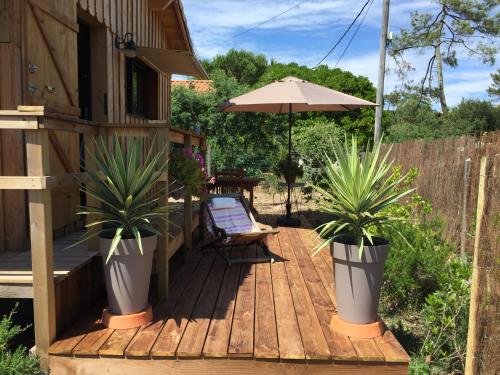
<point x="445" y="318"/>
<point x="17" y="362"/>
<point x="414" y="265"/>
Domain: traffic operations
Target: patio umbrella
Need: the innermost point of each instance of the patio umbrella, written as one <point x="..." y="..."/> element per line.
<point x="289" y="95"/>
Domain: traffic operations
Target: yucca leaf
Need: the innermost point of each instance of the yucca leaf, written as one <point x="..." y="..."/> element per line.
<point x="137" y="235"/>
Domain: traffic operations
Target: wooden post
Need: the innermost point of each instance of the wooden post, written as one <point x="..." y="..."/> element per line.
<point x="88" y="140"/>
<point x="40" y="210"/>
<point x="463" y="232"/>
<point x="381" y="71"/>
<point x="204" y="151"/>
<point x="471" y="361"/>
<point x="188" y="208"/>
<point x="162" y="142"/>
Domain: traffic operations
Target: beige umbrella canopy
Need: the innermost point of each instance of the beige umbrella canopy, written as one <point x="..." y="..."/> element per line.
<point x="295" y="95"/>
<point x="289" y="95"/>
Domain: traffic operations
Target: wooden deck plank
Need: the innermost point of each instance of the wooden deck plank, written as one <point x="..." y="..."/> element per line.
<point x="115" y="345"/>
<point x="313" y="339"/>
<point x="325" y="273"/>
<point x="93" y="341"/>
<point x="241" y="341"/>
<point x="268" y="311"/>
<point x="340" y="346"/>
<point x="143" y="341"/>
<point x="266" y="336"/>
<point x="289" y="339"/>
<point x="217" y="340"/>
<point x="171" y="333"/>
<point x="16" y="267"/>
<point x="391" y="348"/>
<point x="192" y="341"/>
<point x="367" y="350"/>
<point x="73" y="336"/>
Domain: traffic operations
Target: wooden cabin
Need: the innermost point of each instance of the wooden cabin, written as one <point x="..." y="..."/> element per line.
<point x="71" y="70"/>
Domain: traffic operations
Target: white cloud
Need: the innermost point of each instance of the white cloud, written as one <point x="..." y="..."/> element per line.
<point x="305" y="33"/>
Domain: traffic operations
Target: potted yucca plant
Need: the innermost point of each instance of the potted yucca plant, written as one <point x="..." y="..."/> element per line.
<point x="356" y="192"/>
<point x="127" y="220"/>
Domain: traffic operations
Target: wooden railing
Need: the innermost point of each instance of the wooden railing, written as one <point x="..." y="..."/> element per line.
<point x="37" y="125"/>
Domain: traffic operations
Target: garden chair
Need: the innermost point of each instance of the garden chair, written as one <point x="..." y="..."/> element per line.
<point x="230" y="223"/>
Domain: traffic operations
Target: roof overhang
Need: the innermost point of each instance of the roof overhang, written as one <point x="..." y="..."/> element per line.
<point x="171" y="61"/>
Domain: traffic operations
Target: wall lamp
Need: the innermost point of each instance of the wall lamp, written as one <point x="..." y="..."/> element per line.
<point x="126" y="45"/>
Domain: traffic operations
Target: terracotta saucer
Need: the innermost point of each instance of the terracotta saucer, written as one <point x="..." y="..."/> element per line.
<point x="116" y="321"/>
<point x="359" y="331"/>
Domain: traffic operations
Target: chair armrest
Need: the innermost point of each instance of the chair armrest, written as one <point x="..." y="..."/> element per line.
<point x="267" y="228"/>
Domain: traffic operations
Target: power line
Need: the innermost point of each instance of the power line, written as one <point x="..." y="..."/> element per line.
<point x="343" y="35"/>
<point x="268" y="20"/>
<point x="354" y="34"/>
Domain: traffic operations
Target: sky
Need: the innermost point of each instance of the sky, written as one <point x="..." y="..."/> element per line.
<point x="306" y="33"/>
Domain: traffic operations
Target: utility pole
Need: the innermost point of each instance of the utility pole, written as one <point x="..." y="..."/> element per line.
<point x="381" y="71"/>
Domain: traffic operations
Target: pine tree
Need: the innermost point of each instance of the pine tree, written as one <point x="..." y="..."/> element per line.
<point x="456" y="25"/>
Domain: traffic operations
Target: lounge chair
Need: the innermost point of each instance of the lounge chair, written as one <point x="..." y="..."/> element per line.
<point x="230" y="223"/>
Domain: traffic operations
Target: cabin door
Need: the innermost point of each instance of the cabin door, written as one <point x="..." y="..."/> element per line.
<point x="51" y="80"/>
<point x="51" y="55"/>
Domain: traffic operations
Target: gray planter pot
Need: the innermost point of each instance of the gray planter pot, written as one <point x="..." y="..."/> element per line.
<point x="358" y="281"/>
<point x="127" y="274"/>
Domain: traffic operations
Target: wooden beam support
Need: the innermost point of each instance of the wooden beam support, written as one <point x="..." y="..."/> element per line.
<point x="23" y="182"/>
<point x="18" y="122"/>
<point x="74" y="126"/>
<point x="40" y="209"/>
<point x="188" y="209"/>
<point x="162" y="142"/>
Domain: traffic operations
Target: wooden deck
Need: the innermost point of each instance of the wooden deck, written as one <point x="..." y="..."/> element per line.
<point x="16" y="277"/>
<point x="269" y="318"/>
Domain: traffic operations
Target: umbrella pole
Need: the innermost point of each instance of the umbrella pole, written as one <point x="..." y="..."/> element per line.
<point x="288" y="199"/>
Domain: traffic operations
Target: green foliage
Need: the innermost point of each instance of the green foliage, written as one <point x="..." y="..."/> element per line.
<point x="289" y="173"/>
<point x="414" y="118"/>
<point x="494" y="89"/>
<point x="17" y="362"/>
<point x="123" y="186"/>
<point x="413" y="271"/>
<point x="185" y="168"/>
<point x="472" y="117"/>
<point x="245" y="66"/>
<point x="426" y="287"/>
<point x="357" y="193"/>
<point x="445" y="318"/>
<point x="254" y="141"/>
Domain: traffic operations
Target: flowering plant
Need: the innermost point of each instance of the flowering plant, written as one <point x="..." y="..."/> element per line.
<point x="188" y="169"/>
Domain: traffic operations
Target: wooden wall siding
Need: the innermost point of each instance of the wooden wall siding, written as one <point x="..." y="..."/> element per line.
<point x="149" y="29"/>
<point x="13" y="211"/>
<point x="51" y="44"/>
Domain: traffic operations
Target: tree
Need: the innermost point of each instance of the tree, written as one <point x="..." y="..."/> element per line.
<point x="255" y="140"/>
<point x="245" y="66"/>
<point x="456" y="25"/>
<point x="494" y="89"/>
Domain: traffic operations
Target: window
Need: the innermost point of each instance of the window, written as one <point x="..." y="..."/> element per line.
<point x="142" y="89"/>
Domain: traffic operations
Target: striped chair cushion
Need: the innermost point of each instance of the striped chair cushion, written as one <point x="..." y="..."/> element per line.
<point x="232" y="220"/>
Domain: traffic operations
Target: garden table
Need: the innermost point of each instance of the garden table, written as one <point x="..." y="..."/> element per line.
<point x="234" y="184"/>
